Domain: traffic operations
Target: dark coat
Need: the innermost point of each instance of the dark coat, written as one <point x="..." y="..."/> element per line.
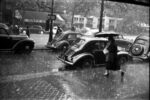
<point x="112" y="61"/>
<point x="28" y="32"/>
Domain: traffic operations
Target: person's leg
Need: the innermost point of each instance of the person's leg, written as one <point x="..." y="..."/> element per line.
<point x="107" y="68"/>
<point x="122" y="72"/>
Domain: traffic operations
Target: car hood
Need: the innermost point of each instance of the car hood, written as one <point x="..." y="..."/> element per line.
<point x="19" y="36"/>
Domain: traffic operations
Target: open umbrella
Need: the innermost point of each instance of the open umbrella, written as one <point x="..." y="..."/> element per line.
<point x="106" y="34"/>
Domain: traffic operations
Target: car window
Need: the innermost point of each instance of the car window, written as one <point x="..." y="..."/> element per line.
<point x="2" y="32"/>
<point x="100" y="45"/>
<point x="39" y="27"/>
<point x="140" y="41"/>
<point x="71" y="36"/>
<point x="79" y="42"/>
<point x="92" y="46"/>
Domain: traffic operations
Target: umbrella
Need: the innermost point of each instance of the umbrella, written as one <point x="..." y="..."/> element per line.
<point x="106" y="34"/>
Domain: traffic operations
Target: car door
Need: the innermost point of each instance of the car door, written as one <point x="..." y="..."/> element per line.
<point x="98" y="52"/>
<point x="5" y="40"/>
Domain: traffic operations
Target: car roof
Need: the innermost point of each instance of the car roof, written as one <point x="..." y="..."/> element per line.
<point x="71" y="32"/>
<point x="87" y="38"/>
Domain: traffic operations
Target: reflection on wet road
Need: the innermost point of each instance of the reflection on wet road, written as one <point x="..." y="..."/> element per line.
<point x="91" y="84"/>
<point x="82" y="83"/>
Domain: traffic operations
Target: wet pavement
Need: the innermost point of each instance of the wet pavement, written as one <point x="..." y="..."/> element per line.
<point x="36" y="76"/>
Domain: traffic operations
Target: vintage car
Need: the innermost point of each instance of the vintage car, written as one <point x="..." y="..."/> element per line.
<point x="140" y="47"/>
<point x="35" y="29"/>
<point x="64" y="40"/>
<point x="119" y="38"/>
<point x="2" y="25"/>
<point x="88" y="52"/>
<point x="14" y="43"/>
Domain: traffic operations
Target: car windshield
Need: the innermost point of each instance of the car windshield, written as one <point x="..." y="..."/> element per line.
<point x="140" y="41"/>
<point x="59" y="37"/>
<point x="79" y="42"/>
<point x="38" y="27"/>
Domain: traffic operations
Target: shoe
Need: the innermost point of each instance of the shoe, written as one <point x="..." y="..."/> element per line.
<point x="122" y="73"/>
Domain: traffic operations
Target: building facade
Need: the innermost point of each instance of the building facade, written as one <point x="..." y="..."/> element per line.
<point x="79" y="21"/>
<point x="108" y="23"/>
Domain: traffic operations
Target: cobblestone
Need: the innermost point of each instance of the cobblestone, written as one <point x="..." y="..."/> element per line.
<point x="32" y="88"/>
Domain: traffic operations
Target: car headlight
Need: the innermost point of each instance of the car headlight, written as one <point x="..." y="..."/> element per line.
<point x="69" y="58"/>
<point x="24" y="32"/>
<point x="42" y="32"/>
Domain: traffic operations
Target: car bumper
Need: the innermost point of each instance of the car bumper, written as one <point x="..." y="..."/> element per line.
<point x="51" y="46"/>
<point x="64" y="61"/>
<point x="141" y="57"/>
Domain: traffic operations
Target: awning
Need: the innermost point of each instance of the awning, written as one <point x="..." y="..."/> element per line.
<point x="38" y="17"/>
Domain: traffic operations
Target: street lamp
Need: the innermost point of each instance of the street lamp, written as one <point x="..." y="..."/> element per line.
<point x="101" y="16"/>
<point x="51" y="18"/>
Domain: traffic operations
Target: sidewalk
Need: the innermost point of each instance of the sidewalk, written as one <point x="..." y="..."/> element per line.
<point x="40" y="41"/>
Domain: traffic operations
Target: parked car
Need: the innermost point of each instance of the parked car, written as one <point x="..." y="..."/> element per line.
<point x="64" y="40"/>
<point x="88" y="52"/>
<point x="14" y="43"/>
<point x="119" y="38"/>
<point x="140" y="47"/>
<point x="36" y="29"/>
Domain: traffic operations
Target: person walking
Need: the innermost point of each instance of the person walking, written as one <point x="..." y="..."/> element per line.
<point x="28" y="32"/>
<point x="111" y="57"/>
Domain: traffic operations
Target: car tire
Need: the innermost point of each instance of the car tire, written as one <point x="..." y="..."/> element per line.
<point x="64" y="47"/>
<point x="137" y="50"/>
<point x="24" y="49"/>
<point x="122" y="60"/>
<point x="86" y="63"/>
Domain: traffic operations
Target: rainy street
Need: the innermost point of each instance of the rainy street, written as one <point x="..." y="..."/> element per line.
<point x="38" y="76"/>
<point x="38" y="38"/>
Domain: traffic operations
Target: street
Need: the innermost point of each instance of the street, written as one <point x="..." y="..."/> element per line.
<point x="39" y="36"/>
<point x="37" y="76"/>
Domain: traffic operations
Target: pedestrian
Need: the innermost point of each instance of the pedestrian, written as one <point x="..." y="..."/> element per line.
<point x="73" y="28"/>
<point x="111" y="57"/>
<point x="28" y="31"/>
<point x="59" y="31"/>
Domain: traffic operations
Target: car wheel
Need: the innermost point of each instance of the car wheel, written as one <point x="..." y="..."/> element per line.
<point x="64" y="47"/>
<point x="122" y="60"/>
<point x="25" y="48"/>
<point x="87" y="63"/>
<point x="137" y="50"/>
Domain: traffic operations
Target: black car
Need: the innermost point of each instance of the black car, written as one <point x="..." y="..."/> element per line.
<point x="35" y="29"/>
<point x="141" y="47"/>
<point x="14" y="43"/>
<point x="88" y="51"/>
<point x="64" y="40"/>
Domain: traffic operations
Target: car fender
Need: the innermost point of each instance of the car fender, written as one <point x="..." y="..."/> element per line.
<point x="23" y="41"/>
<point x="124" y="53"/>
<point x="59" y="44"/>
<point x="80" y="56"/>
